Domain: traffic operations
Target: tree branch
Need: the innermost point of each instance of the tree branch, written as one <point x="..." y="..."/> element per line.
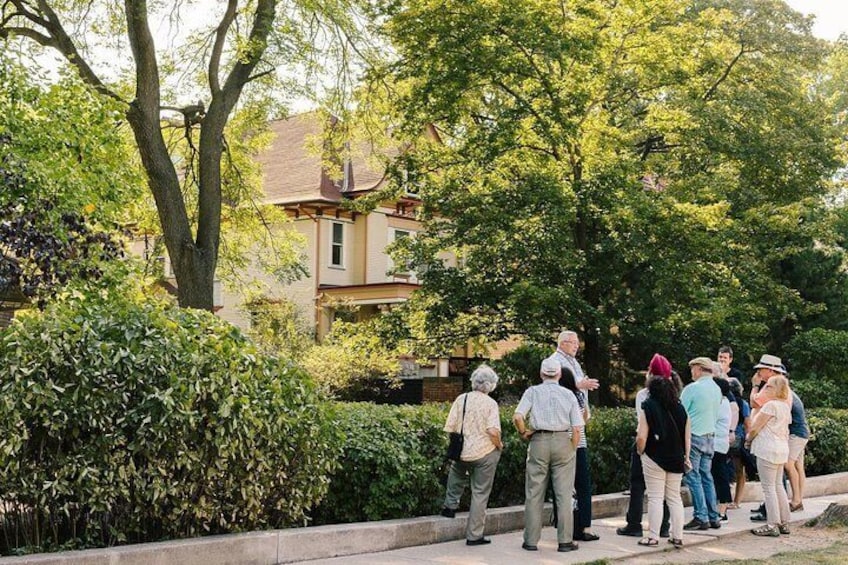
<point x="39" y="38"/>
<point x="144" y="54"/>
<point x="66" y="46"/>
<point x="260" y="75"/>
<point x="712" y="90"/>
<point x="218" y="48"/>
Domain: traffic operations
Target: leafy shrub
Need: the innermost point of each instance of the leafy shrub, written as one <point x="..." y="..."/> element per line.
<point x="821" y="393"/>
<point x="611" y="433"/>
<point x="130" y="421"/>
<point x="518" y="370"/>
<point x="390" y="466"/>
<point x="508" y="488"/>
<point x="393" y="461"/>
<point x="819" y="353"/>
<point x="827" y="451"/>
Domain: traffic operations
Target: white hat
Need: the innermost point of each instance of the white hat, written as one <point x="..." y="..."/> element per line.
<point x="550" y="368"/>
<point x="771" y="362"/>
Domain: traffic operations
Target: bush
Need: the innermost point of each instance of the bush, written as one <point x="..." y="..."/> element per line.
<point x="132" y="421"/>
<point x="611" y="434"/>
<point x="393" y="461"/>
<point x="518" y="370"/>
<point x="820" y="354"/>
<point x="820" y="393"/>
<point x="827" y="451"/>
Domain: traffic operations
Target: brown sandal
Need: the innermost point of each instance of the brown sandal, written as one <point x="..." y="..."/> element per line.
<point x="649" y="542"/>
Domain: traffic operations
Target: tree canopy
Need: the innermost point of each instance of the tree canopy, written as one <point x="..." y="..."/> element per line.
<point x="652" y="174"/>
<point x="227" y="59"/>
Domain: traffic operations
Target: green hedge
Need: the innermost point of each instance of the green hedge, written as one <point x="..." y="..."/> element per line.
<point x="392" y="464"/>
<point x="827" y="450"/>
<point x="821" y="393"/>
<point x="131" y="421"/>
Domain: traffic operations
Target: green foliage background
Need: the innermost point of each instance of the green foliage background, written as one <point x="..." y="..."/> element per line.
<point x="393" y="459"/>
<point x="127" y="420"/>
<point x="659" y="176"/>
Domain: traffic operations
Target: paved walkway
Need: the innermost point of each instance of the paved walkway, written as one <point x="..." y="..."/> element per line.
<point x="506" y="548"/>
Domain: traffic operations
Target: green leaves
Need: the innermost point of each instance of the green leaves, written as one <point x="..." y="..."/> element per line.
<point x="649" y="173"/>
<point x="133" y="420"/>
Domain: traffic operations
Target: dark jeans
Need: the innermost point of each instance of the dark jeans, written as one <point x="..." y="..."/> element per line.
<point x="583" y="486"/>
<point x="637" y="496"/>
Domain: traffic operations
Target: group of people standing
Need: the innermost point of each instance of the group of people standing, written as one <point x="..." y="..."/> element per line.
<point x="696" y="434"/>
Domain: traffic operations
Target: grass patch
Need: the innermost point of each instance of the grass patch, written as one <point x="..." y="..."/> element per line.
<point x="836" y="554"/>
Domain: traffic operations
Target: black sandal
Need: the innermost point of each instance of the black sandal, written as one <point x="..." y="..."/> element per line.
<point x="649" y="542"/>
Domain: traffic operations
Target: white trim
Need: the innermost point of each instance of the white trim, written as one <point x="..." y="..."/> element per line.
<point x="409" y="274"/>
<point x="333" y="245"/>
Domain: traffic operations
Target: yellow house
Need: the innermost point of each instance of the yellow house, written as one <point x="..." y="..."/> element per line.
<point x="345" y="251"/>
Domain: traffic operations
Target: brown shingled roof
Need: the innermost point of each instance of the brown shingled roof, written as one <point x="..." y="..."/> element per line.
<point x="292" y="170"/>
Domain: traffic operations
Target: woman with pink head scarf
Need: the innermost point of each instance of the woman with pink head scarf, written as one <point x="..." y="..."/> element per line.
<point x="662" y="440"/>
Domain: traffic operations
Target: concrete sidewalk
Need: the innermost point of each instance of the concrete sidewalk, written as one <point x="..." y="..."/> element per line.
<point x="506" y="548"/>
<point x="424" y="539"/>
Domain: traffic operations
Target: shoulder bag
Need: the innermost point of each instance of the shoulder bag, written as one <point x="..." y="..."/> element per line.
<point x="456" y="440"/>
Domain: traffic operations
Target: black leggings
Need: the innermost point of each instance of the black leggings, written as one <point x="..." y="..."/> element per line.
<point x="721" y="477"/>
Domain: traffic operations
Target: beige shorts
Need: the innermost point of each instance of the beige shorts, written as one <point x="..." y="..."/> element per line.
<point x="796" y="447"/>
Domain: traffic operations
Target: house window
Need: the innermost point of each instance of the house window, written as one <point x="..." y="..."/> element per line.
<point x="405" y="271"/>
<point x="337" y="245"/>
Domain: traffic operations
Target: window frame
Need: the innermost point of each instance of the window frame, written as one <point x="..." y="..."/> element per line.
<point x="334" y="244"/>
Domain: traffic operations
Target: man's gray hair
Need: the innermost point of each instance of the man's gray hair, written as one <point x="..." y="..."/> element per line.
<point x="484" y="379"/>
<point x="735" y="386"/>
<point x="565" y="335"/>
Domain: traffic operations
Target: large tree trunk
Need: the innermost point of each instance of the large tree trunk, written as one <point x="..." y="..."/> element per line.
<point x="193" y="265"/>
<point x="597" y="364"/>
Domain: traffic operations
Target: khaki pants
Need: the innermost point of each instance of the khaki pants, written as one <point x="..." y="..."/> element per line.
<point x="549" y="454"/>
<point x="771" y="479"/>
<point x="662" y="485"/>
<point x="481" y="475"/>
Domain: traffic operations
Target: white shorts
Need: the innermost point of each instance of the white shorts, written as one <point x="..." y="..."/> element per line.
<point x="796" y="447"/>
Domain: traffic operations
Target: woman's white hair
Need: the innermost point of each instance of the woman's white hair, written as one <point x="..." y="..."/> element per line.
<point x="484" y="379"/>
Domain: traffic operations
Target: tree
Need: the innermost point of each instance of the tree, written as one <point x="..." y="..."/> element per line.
<point x="64" y="185"/>
<point x="240" y="50"/>
<point x="620" y="168"/>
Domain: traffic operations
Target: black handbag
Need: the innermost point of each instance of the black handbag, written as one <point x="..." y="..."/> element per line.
<point x="456" y="440"/>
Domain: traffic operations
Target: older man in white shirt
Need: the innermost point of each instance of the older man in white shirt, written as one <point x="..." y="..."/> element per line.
<point x="549" y="417"/>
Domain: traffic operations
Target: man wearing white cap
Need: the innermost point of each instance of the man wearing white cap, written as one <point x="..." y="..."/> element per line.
<point x="549" y="417"/>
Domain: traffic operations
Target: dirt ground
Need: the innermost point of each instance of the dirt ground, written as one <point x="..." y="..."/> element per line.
<point x="749" y="549"/>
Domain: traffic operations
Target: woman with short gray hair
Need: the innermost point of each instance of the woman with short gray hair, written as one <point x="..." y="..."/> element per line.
<point x="484" y="379"/>
<point x="476" y="416"/>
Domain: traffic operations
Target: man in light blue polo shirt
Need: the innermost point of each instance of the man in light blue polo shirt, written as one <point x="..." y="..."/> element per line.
<point x="702" y="399"/>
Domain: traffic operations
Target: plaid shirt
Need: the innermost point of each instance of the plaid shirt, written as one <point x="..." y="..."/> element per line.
<point x="569" y="362"/>
<point x="550" y="407"/>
